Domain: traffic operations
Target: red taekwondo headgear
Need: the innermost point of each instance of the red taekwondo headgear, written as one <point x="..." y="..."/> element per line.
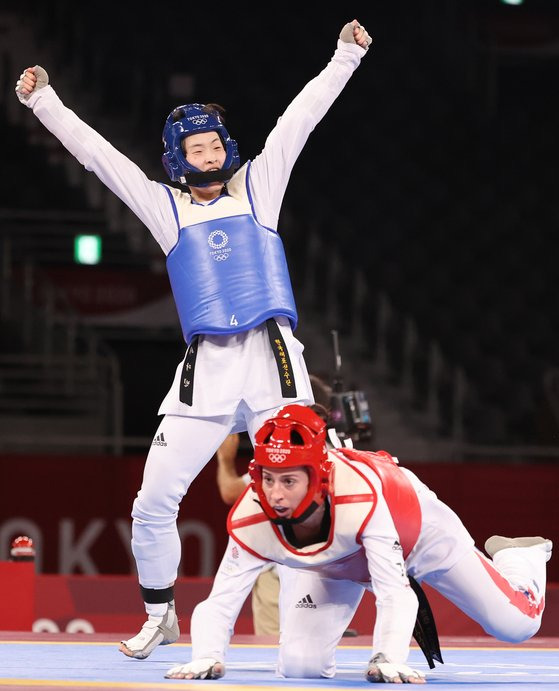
<point x="294" y="436"/>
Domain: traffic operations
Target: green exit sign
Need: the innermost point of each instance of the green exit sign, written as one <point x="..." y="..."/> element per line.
<point x="87" y="249"/>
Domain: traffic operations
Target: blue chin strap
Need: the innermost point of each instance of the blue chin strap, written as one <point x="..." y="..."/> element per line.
<point x="189" y="119"/>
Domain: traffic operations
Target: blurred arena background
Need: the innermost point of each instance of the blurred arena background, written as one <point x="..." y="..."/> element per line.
<point x="419" y="224"/>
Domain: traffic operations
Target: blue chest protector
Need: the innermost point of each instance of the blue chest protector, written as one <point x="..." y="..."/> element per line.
<point x="229" y="275"/>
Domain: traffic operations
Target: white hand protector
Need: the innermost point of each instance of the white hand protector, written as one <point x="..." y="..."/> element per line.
<point x="203" y="668"/>
<point x="346" y="35"/>
<point x="42" y="80"/>
<point x="381" y="669"/>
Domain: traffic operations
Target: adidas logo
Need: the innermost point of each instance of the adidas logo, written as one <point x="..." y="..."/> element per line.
<point x="159" y="440"/>
<point x="306" y="602"/>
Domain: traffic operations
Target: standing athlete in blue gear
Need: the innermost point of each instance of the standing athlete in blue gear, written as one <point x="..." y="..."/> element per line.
<point x="231" y="284"/>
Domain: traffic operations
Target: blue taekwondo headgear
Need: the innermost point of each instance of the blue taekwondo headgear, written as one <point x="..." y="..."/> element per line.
<point x="191" y="119"/>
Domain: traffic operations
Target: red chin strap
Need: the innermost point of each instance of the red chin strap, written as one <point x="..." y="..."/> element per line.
<point x="295" y="436"/>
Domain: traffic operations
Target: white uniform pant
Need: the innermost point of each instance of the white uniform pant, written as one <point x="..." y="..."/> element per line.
<point x="182" y="446"/>
<point x="316" y="612"/>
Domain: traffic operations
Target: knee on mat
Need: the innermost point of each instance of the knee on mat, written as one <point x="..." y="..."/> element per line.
<point x="295" y="663"/>
<point x="514" y="632"/>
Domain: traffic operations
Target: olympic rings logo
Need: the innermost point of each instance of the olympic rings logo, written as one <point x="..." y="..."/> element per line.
<point x="198" y="119"/>
<point x="218" y="245"/>
<point x="277" y="457"/>
<point x="220" y="257"/>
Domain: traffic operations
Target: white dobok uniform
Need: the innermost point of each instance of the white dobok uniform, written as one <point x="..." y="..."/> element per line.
<point x="236" y="385"/>
<point x="385" y="524"/>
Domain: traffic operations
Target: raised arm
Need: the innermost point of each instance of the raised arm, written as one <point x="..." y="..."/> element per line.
<point x="147" y="199"/>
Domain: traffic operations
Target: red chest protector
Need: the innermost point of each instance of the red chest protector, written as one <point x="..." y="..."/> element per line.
<point x="397" y="490"/>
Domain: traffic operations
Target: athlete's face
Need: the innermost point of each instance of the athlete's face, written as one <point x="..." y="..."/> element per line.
<point x="285" y="489"/>
<point x="205" y="151"/>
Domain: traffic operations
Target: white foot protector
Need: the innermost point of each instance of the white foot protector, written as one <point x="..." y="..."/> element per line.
<point x="496" y="543"/>
<point x="156" y="631"/>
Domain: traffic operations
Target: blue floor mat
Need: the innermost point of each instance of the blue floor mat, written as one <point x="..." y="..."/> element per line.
<point x="96" y="665"/>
